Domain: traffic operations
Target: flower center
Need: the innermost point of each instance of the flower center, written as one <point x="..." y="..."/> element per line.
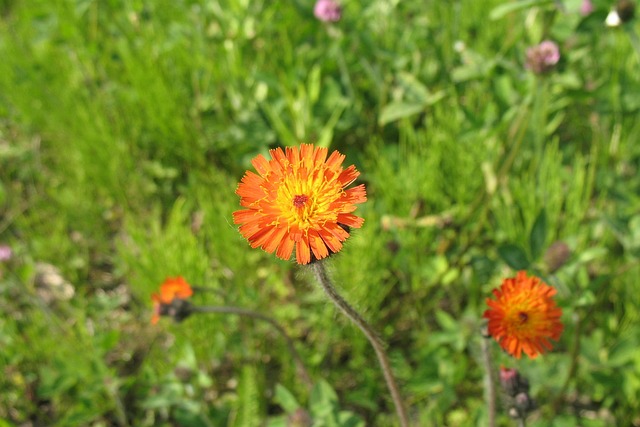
<point x="300" y="200"/>
<point x="523" y="316"/>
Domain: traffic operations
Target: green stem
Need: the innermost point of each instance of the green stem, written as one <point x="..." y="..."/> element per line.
<point x="320" y="272"/>
<point x="259" y="316"/>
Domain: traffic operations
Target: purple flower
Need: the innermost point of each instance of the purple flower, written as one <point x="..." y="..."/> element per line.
<point x="543" y="57"/>
<point x="327" y="11"/>
<point x="586" y="7"/>
<point x="5" y="253"/>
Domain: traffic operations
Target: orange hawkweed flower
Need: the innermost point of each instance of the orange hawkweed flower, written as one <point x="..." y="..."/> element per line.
<point x="299" y="199"/>
<point x="171" y="289"/>
<point x="523" y="317"/>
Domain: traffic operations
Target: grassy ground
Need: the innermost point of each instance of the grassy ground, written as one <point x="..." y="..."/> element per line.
<point x="126" y="125"/>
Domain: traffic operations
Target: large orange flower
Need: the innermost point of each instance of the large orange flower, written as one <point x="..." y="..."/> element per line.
<point x="299" y="199"/>
<point x="172" y="288"/>
<point x="523" y="317"/>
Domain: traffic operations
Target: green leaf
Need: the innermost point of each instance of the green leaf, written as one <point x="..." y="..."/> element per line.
<point x="313" y="85"/>
<point x="187" y="418"/>
<point x="326" y="134"/>
<point x="414" y="88"/>
<point x="323" y="392"/>
<point x="323" y="401"/>
<point x="623" y="352"/>
<point x="446" y="321"/>
<point x="286" y="399"/>
<point x="538" y="234"/>
<point x="473" y="70"/>
<point x="398" y="110"/>
<point x="248" y="410"/>
<point x="584" y="299"/>
<point x="280" y="127"/>
<point x="506" y="8"/>
<point x="3" y="194"/>
<point x="514" y="256"/>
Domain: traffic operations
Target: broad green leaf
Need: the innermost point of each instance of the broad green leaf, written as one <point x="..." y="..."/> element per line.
<point x="323" y="392"/>
<point x="323" y="402"/>
<point x="514" y="256"/>
<point x="286" y="399"/>
<point x="538" y="234"/>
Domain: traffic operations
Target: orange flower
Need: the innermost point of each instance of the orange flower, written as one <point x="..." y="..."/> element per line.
<point x="171" y="289"/>
<point x="524" y="316"/>
<point x="299" y="199"/>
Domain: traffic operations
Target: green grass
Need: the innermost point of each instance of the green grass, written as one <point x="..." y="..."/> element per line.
<point x="125" y="127"/>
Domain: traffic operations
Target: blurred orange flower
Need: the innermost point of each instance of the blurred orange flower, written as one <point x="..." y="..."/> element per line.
<point x="523" y="317"/>
<point x="172" y="288"/>
<point x="299" y="199"/>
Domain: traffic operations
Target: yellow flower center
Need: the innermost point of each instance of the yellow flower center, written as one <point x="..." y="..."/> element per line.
<point x="524" y="316"/>
<point x="304" y="200"/>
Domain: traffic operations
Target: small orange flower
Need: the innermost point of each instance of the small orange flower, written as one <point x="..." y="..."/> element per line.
<point x="299" y="199"/>
<point x="171" y="289"/>
<point x="524" y="316"/>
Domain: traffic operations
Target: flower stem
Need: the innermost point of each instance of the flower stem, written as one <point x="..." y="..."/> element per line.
<point x="490" y="386"/>
<point x="320" y="272"/>
<point x="633" y="37"/>
<point x="259" y="316"/>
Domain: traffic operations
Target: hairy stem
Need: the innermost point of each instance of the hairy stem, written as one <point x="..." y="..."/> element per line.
<point x="320" y="272"/>
<point x="490" y="386"/>
<point x="259" y="316"/>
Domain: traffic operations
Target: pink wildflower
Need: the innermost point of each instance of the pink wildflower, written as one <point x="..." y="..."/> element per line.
<point x="327" y="11"/>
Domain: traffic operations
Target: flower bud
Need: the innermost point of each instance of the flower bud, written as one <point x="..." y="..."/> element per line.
<point x="512" y="382"/>
<point x="626" y="10"/>
<point x="523" y="402"/>
<point x="543" y="57"/>
<point x="557" y="255"/>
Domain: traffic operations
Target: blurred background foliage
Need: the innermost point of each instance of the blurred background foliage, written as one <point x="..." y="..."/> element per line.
<point x="125" y="126"/>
